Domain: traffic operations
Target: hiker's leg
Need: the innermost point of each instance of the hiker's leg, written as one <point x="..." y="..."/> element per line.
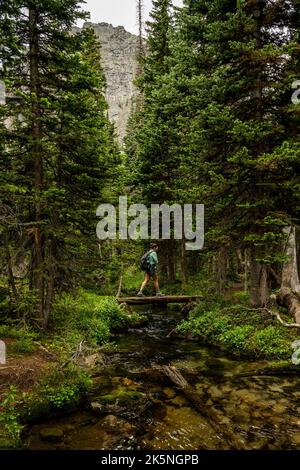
<point x="156" y="285"/>
<point x="146" y="282"/>
<point x="155" y="282"/>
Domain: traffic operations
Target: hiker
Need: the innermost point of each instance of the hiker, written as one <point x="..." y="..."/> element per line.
<point x="149" y="264"/>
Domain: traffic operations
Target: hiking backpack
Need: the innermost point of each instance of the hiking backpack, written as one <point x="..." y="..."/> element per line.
<point x="145" y="261"/>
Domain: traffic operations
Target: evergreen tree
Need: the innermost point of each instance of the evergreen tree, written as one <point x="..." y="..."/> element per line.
<point x="231" y="61"/>
<point x="150" y="147"/>
<point x="58" y="143"/>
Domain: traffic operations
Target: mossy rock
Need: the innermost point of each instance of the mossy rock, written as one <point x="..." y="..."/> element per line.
<point x="169" y="392"/>
<point x="39" y="410"/>
<point x="137" y="321"/>
<point x="122" y="397"/>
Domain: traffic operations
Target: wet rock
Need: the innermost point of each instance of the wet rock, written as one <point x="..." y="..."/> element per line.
<point x="68" y="428"/>
<point x="113" y="424"/>
<point x="294" y="421"/>
<point x="116" y="380"/>
<point x="179" y="401"/>
<point x="242" y="417"/>
<point x="258" y="445"/>
<point x="225" y="420"/>
<point x="209" y="402"/>
<point x="52" y="435"/>
<point x="129" y="383"/>
<point x="138" y="322"/>
<point x="120" y="396"/>
<point x="95" y="406"/>
<point x="296" y="438"/>
<point x="275" y="388"/>
<point x="276" y="420"/>
<point x="279" y="408"/>
<point x="215" y="392"/>
<point x="93" y="360"/>
<point x="230" y="409"/>
<point x="169" y="392"/>
<point x="226" y="388"/>
<point x="245" y="395"/>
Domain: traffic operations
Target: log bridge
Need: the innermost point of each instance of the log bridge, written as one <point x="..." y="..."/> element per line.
<point x="167" y="299"/>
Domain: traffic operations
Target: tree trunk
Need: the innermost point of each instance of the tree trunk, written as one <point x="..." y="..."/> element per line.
<point x="258" y="280"/>
<point x="221" y="269"/>
<point x="239" y="260"/>
<point x="290" y="277"/>
<point x="36" y="133"/>
<point x="246" y="270"/>
<point x="171" y="263"/>
<point x="291" y="301"/>
<point x="183" y="261"/>
<point x="11" y="279"/>
<point x="120" y="286"/>
<point x="50" y="283"/>
<point x="233" y="265"/>
<point x="48" y="300"/>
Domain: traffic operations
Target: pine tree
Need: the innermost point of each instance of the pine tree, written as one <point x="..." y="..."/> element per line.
<point x="58" y="144"/>
<point x="231" y="62"/>
<point x="150" y="147"/>
<point x="158" y="50"/>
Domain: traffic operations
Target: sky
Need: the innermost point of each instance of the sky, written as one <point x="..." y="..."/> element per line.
<point x="118" y="12"/>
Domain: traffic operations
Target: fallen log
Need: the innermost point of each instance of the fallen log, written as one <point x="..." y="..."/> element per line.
<point x="167" y="299"/>
<point x="290" y="300"/>
<point x="274" y="371"/>
<point x="213" y="416"/>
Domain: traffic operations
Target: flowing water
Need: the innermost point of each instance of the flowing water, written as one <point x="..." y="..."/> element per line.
<point x="133" y="408"/>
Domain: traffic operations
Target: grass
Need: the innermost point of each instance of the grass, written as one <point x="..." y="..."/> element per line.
<point x="24" y="339"/>
<point x="61" y="389"/>
<point x="86" y="316"/>
<point x="80" y="316"/>
<point x="239" y="331"/>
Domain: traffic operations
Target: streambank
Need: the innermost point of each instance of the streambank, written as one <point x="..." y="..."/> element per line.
<point x="240" y="331"/>
<point x="49" y="375"/>
<point x="130" y="407"/>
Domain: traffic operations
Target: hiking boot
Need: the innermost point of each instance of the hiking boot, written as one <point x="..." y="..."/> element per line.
<point x="140" y="294"/>
<point x="159" y="294"/>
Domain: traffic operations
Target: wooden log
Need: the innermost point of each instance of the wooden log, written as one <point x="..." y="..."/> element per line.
<point x="214" y="417"/>
<point x="274" y="371"/>
<point x="168" y="299"/>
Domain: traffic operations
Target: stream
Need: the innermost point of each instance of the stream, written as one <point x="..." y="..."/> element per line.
<point x="129" y="409"/>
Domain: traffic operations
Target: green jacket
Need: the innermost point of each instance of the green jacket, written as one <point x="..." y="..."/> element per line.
<point x="153" y="260"/>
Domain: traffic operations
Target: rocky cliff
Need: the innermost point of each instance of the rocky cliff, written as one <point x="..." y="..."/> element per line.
<point x="119" y="51"/>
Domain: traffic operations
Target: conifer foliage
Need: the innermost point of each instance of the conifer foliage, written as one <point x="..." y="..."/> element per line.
<point x="56" y="142"/>
<point x="219" y="128"/>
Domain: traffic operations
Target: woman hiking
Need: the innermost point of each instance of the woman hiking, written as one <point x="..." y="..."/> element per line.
<point x="149" y="265"/>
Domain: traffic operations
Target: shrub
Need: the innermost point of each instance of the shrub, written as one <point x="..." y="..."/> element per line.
<point x="271" y="342"/>
<point x="241" y="331"/>
<point x="237" y="337"/>
<point x="9" y="420"/>
<point x="23" y="346"/>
